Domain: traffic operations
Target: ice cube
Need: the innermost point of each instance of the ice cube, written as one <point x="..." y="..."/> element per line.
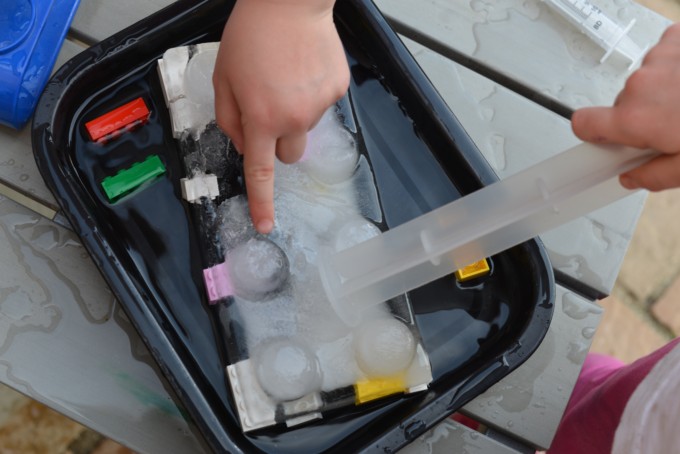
<point x="287" y="369"/>
<point x="330" y="155"/>
<point x="171" y="71"/>
<point x="257" y="268"/>
<point x="384" y="347"/>
<point x="198" y="78"/>
<point x="354" y="232"/>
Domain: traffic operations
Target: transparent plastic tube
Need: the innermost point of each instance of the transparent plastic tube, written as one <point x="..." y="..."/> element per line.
<point x="604" y="31"/>
<point x="495" y="218"/>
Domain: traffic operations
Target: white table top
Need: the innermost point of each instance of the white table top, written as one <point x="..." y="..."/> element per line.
<point x="65" y="341"/>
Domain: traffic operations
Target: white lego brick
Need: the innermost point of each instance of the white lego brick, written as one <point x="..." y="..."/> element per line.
<point x="255" y="408"/>
<point x="199" y="186"/>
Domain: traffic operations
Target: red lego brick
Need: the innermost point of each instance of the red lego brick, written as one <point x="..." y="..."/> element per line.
<point x="119" y="120"/>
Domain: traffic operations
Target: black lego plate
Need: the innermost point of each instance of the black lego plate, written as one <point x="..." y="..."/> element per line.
<point x="148" y="250"/>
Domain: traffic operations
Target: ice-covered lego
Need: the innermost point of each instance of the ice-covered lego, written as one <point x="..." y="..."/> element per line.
<point x="188" y="98"/>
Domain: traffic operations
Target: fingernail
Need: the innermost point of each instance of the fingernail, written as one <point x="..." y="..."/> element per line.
<point x="265" y="226"/>
<point x="628" y="183"/>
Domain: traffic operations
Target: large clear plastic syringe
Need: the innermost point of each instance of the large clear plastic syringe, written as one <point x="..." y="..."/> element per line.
<point x="479" y="225"/>
<point x="608" y="34"/>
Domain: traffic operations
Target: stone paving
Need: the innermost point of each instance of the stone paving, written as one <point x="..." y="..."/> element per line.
<point x="642" y="314"/>
<point x="643" y="311"/>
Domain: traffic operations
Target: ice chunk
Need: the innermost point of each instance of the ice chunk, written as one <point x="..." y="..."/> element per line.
<point x="287" y="369"/>
<point x="198" y="77"/>
<point x="187" y="116"/>
<point x="171" y="71"/>
<point x="189" y="111"/>
<point x="257" y="268"/>
<point x="330" y="155"/>
<point x="384" y="347"/>
<point x="354" y="232"/>
<point x="238" y="227"/>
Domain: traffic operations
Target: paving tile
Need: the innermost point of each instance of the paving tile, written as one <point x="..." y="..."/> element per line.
<point x="653" y="257"/>
<point x="10" y="401"/>
<point x="667" y="308"/>
<point x="33" y="428"/>
<point x="625" y="333"/>
<point x="668" y="8"/>
<point x="27" y="427"/>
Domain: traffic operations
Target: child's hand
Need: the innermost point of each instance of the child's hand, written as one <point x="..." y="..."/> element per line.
<point x="280" y="66"/>
<point x="646" y="114"/>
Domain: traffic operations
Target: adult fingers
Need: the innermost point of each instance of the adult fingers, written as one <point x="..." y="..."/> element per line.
<point x="290" y="148"/>
<point x="258" y="169"/>
<point x="662" y="172"/>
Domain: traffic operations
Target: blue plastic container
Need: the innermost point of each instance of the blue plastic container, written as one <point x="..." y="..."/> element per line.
<point x="31" y="34"/>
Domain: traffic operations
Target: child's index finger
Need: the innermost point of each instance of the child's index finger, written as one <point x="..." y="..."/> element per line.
<point x="258" y="168"/>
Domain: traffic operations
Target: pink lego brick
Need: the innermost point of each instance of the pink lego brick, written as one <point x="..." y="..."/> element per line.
<point x="218" y="282"/>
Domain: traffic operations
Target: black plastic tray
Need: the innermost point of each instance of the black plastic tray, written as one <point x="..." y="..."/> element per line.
<point x="149" y="251"/>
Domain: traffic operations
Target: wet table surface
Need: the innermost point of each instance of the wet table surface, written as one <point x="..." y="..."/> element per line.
<point x="65" y="341"/>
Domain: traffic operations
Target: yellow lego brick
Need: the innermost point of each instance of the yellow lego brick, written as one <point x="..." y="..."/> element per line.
<point x="472" y="271"/>
<point x="376" y="388"/>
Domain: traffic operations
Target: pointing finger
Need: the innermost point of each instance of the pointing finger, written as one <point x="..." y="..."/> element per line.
<point x="258" y="167"/>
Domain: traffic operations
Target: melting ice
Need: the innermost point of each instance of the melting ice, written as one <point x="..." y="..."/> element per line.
<point x="327" y="200"/>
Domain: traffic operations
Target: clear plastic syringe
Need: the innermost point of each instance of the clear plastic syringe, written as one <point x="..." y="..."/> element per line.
<point x="609" y="35"/>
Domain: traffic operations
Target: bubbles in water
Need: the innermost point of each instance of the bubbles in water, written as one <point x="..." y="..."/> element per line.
<point x="257" y="268"/>
<point x="198" y="77"/>
<point x="331" y="155"/>
<point x="384" y="347"/>
<point x="287" y="369"/>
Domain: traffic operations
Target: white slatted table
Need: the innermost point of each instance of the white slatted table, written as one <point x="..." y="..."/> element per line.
<point x="65" y="342"/>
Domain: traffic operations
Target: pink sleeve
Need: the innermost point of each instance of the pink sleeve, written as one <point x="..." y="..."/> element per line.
<point x="599" y="398"/>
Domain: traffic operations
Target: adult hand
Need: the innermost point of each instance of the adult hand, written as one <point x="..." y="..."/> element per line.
<point x="279" y="67"/>
<point x="646" y="114"/>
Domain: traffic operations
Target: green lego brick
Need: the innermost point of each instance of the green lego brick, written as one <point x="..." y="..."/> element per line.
<point x="128" y="180"/>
